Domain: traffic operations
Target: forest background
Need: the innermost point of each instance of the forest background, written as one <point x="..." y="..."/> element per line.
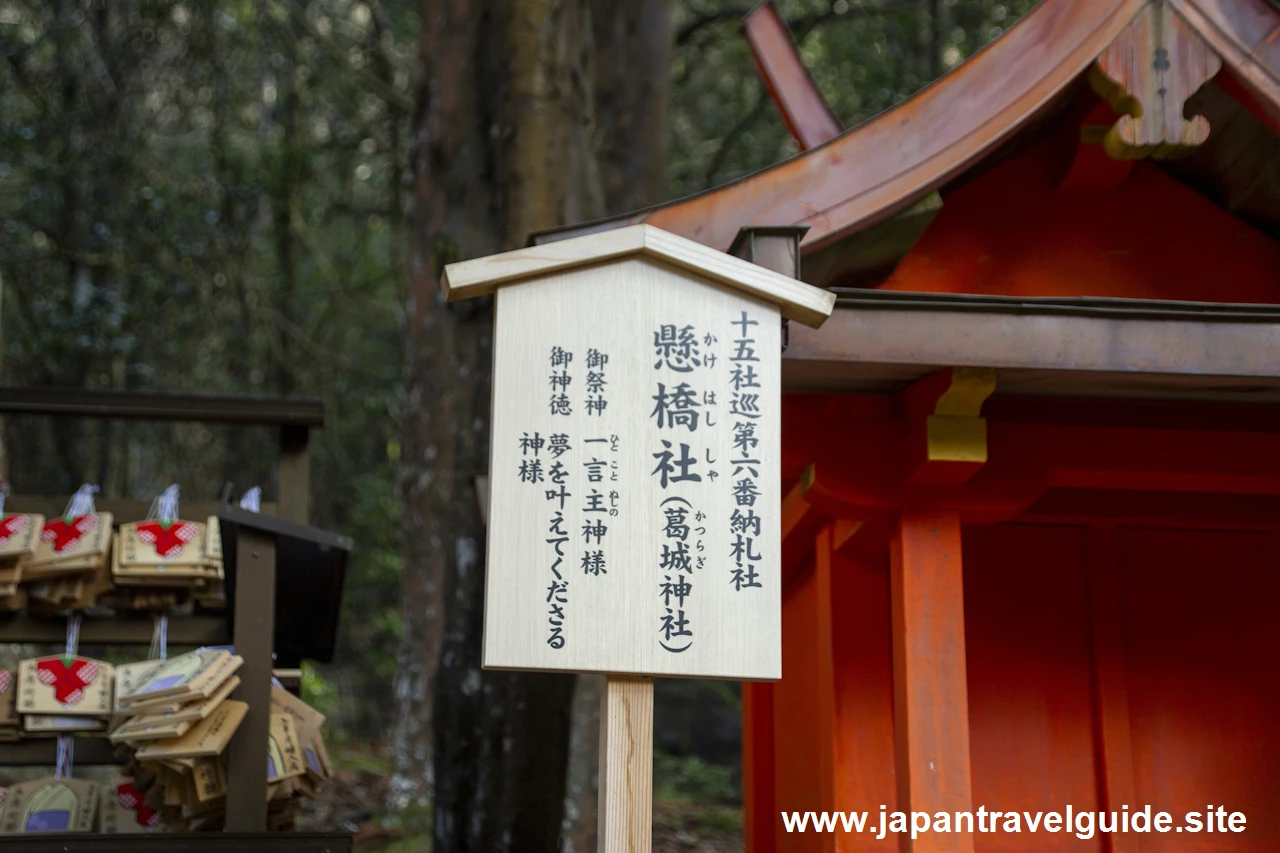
<point x="253" y="196"/>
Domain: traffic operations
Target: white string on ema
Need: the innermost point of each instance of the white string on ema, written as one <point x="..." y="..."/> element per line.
<point x="252" y="500"/>
<point x="73" y="633"/>
<point x="81" y="502"/>
<point x="62" y="769"/>
<point x="159" y="638"/>
<point x="165" y="507"/>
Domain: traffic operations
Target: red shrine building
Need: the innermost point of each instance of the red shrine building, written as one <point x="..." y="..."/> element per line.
<point x="1031" y="551"/>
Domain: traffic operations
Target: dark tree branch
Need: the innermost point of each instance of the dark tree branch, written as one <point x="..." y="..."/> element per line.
<point x="369" y="81"/>
<point x="799" y="26"/>
<point x="731" y="138"/>
<point x="700" y="23"/>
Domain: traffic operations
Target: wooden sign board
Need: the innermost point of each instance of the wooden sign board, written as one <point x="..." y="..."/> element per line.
<point x="634" y="520"/>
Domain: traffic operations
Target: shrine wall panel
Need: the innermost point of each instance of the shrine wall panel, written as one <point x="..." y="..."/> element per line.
<point x="1031" y="717"/>
<point x="1011" y="232"/>
<point x="1202" y="644"/>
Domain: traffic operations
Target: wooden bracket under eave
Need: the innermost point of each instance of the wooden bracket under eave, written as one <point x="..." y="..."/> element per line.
<point x="1147" y="74"/>
<point x="801" y="522"/>
<point x="946" y="436"/>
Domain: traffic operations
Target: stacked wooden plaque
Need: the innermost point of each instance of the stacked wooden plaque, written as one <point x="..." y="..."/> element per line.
<point x="52" y="696"/>
<point x="124" y="810"/>
<point x="69" y="568"/>
<point x="19" y="536"/>
<point x="76" y="562"/>
<point x="54" y="564"/>
<point x="177" y="719"/>
<point x="171" y="721"/>
<point x="161" y="701"/>
<point x="155" y="563"/>
<point x="10" y="722"/>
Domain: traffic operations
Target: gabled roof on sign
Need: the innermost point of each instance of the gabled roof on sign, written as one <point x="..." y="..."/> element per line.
<point x="882" y="167"/>
<point x="795" y="299"/>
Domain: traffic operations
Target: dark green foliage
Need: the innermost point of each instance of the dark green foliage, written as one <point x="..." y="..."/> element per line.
<point x="691" y="779"/>
<point x="211" y="196"/>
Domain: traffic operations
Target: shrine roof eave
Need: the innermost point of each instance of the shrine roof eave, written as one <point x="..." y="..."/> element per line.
<point x="880" y="168"/>
<point x="795" y="299"/>
<point x="881" y="341"/>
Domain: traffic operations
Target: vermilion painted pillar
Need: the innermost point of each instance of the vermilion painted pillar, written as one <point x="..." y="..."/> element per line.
<point x="760" y="812"/>
<point x="803" y="711"/>
<point x="931" y="704"/>
<point x="824" y="694"/>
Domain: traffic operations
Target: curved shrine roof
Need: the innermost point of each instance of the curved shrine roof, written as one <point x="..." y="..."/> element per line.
<point x="882" y="167"/>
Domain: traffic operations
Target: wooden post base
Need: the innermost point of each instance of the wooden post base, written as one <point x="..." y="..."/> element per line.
<point x="626" y="765"/>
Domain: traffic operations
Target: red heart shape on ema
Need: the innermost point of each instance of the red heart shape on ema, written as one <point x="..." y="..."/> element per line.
<point x="168" y="540"/>
<point x="68" y="677"/>
<point x="11" y="524"/>
<point x="64" y="533"/>
<point x="133" y="801"/>
<point x="128" y="797"/>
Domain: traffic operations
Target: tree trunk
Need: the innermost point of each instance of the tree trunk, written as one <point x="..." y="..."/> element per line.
<point x="634" y="43"/>
<point x="505" y="143"/>
<point x="582" y="782"/>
